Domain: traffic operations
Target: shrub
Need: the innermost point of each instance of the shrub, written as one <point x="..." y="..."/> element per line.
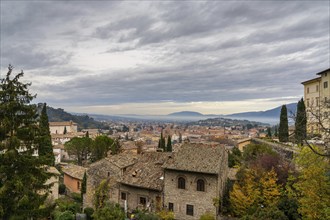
<point x="67" y="215"/>
<point x="76" y="197"/>
<point x="89" y="212"/>
<point x="207" y="216"/>
<point x="166" y="215"/>
<point x="61" y="189"/>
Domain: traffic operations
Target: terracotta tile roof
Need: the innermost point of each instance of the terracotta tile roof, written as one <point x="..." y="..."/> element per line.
<point x="113" y="164"/>
<point x="201" y="158"/>
<point x="311" y="80"/>
<point x="74" y="171"/>
<point x="122" y="160"/>
<point x="147" y="171"/>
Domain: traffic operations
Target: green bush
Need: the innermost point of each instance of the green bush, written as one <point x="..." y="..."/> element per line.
<point x="66" y="215"/>
<point x="207" y="216"/>
<point x="61" y="189"/>
<point x="76" y="197"/>
<point x="65" y="204"/>
<point x="89" y="212"/>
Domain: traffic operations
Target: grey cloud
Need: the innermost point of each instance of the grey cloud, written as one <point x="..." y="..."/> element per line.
<point x="209" y="51"/>
<point x="28" y="57"/>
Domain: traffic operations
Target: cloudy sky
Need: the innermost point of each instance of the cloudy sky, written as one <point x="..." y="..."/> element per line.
<point x="152" y="57"/>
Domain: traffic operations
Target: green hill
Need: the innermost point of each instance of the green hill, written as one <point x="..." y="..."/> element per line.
<point x="83" y="121"/>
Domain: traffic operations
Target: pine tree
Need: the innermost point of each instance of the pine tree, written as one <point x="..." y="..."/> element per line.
<point x="300" y="123"/>
<point x="45" y="148"/>
<point x="283" y="130"/>
<point x="22" y="175"/>
<point x="169" y="144"/>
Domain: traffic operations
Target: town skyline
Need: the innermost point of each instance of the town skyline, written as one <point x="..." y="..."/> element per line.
<point x="153" y="58"/>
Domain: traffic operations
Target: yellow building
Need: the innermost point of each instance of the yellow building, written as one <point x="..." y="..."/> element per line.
<point x="316" y="95"/>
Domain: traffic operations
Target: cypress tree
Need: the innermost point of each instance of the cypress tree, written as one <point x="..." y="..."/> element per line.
<point x="169" y="144"/>
<point x="269" y="133"/>
<point x="45" y="141"/>
<point x="283" y="130"/>
<point x="64" y="132"/>
<point x="275" y="132"/>
<point x="83" y="187"/>
<point x="22" y="175"/>
<point x="162" y="142"/>
<point x="301" y="122"/>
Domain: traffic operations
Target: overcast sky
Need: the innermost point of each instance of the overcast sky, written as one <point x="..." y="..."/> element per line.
<point x="153" y="57"/>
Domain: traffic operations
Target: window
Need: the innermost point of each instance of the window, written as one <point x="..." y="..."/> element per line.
<point x="200" y="185"/>
<point x="307" y="89"/>
<point x="78" y="185"/>
<point x="181" y="183"/>
<point x="317" y="101"/>
<point x="123" y="196"/>
<point x="190" y="210"/>
<point x="325" y="84"/>
<point x="108" y="174"/>
<point x="307" y="102"/>
<point x="143" y="201"/>
<point x="317" y="88"/>
<point x="325" y="74"/>
<point x="170" y="207"/>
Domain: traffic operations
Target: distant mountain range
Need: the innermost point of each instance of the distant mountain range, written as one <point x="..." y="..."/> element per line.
<point x="85" y="120"/>
<point x="272" y="113"/>
<point x="185" y="114"/>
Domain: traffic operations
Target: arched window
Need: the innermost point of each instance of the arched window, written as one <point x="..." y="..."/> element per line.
<point x="200" y="185"/>
<point x="181" y="183"/>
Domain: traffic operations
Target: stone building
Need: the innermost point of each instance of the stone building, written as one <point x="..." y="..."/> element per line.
<point x="73" y="176"/>
<point x="59" y="127"/>
<point x="112" y="169"/>
<point x="195" y="177"/>
<point x="316" y="94"/>
<point x="186" y="182"/>
<point x="142" y="184"/>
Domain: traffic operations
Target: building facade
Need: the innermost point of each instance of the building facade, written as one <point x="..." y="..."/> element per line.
<point x="317" y="98"/>
<point x="187" y="182"/>
<point x="60" y="127"/>
<point x="73" y="176"/>
<point x="195" y="179"/>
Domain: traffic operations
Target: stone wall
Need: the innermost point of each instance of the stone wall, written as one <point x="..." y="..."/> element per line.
<point x="133" y="194"/>
<point x="202" y="201"/>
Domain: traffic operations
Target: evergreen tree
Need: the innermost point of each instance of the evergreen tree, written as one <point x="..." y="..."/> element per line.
<point x="79" y="147"/>
<point x="162" y="144"/>
<point x="45" y="148"/>
<point x="169" y="144"/>
<point x="275" y="132"/>
<point x="180" y="138"/>
<point x="159" y="144"/>
<point x="83" y="187"/>
<point x="100" y="147"/>
<point x="301" y="122"/>
<point x="283" y="130"/>
<point x="269" y="133"/>
<point x="22" y="175"/>
<point x="65" y="131"/>
<point x="87" y="134"/>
